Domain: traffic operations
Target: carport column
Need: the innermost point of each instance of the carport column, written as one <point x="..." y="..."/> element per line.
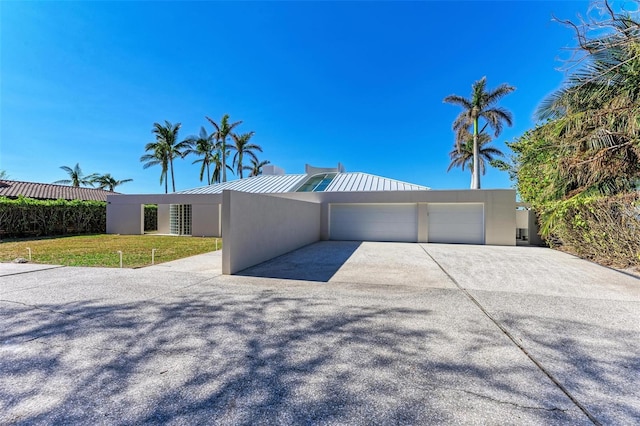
<point x="423" y="223"/>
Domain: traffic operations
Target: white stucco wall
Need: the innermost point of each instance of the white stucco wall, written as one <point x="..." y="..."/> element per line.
<point x="163" y="218"/>
<point x="205" y="212"/>
<point x="499" y="207"/>
<point x="257" y="227"/>
<point x="205" y="220"/>
<point x="125" y="219"/>
<point x="522" y="219"/>
<point x="500" y="217"/>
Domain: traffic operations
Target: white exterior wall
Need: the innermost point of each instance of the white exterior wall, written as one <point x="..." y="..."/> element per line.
<point x="499" y="208"/>
<point x="205" y="212"/>
<point x="205" y="220"/>
<point x="522" y="219"/>
<point x="257" y="227"/>
<point x="125" y="219"/>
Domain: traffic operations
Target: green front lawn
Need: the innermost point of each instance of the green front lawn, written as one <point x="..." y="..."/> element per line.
<point x="102" y="250"/>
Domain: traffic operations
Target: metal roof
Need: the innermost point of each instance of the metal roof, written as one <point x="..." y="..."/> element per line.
<point x="343" y="182"/>
<point x="356" y="182"/>
<point x="264" y="184"/>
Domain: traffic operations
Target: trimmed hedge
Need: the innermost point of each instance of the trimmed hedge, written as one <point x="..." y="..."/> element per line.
<point x="27" y="217"/>
<point x="150" y="217"/>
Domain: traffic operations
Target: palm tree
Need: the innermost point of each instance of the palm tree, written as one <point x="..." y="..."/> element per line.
<point x="593" y="118"/>
<point x="76" y="177"/>
<point x="256" y="167"/>
<point x="480" y="105"/>
<point x="158" y="156"/>
<point x="223" y="130"/>
<point x="216" y="176"/>
<point x="243" y="147"/>
<point x="202" y="145"/>
<point x="108" y="182"/>
<point x="165" y="148"/>
<point x="462" y="153"/>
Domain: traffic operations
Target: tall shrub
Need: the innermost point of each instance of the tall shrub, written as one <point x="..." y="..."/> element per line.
<point x="28" y="217"/>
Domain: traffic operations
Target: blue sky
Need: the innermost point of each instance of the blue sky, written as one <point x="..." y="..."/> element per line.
<point x="319" y="82"/>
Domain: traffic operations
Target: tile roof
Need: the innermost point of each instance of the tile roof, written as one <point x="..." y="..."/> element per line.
<point x="272" y="184"/>
<point x="49" y="191"/>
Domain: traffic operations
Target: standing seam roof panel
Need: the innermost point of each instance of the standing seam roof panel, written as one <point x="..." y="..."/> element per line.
<point x="343" y="182"/>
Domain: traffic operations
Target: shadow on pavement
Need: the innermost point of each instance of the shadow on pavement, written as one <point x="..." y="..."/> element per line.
<point x="598" y="363"/>
<point x="261" y="358"/>
<point x="315" y="262"/>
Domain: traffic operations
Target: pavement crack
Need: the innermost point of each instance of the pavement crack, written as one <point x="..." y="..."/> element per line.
<point x="32" y="271"/>
<point x="490" y="398"/>
<point x="499" y="401"/>
<point x="517" y="342"/>
<point x="40" y="308"/>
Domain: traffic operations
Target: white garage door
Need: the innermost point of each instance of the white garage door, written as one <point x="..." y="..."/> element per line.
<point x="374" y="222"/>
<point x="456" y="223"/>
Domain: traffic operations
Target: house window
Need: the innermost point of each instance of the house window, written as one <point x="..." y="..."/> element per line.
<point x="180" y="219"/>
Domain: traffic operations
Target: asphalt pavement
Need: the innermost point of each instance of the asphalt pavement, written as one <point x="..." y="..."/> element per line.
<point x="333" y="333"/>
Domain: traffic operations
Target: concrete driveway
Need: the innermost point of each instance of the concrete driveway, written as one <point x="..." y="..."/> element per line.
<point x="334" y="333"/>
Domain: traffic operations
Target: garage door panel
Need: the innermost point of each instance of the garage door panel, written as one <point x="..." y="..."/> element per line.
<point x="374" y="222"/>
<point x="456" y="223"/>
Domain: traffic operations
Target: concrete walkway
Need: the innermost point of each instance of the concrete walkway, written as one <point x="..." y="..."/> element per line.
<point x="334" y="333"/>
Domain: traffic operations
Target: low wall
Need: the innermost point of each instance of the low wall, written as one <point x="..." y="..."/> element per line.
<point x="256" y="228"/>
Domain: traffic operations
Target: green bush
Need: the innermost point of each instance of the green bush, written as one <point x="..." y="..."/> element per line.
<point x="27" y="217"/>
<point x="24" y="217"/>
<point x="602" y="229"/>
<point x="150" y="217"/>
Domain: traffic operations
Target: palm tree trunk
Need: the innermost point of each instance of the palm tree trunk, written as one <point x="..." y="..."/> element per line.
<point x="166" y="183"/>
<point x="224" y="161"/>
<point x="208" y="175"/>
<point x="475" y="182"/>
<point x="240" y="164"/>
<point x="173" y="180"/>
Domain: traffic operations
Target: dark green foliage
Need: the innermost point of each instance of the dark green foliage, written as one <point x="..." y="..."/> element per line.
<point x="26" y="217"/>
<point x="580" y="169"/>
<point x="603" y="229"/>
<point x="150" y="217"/>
